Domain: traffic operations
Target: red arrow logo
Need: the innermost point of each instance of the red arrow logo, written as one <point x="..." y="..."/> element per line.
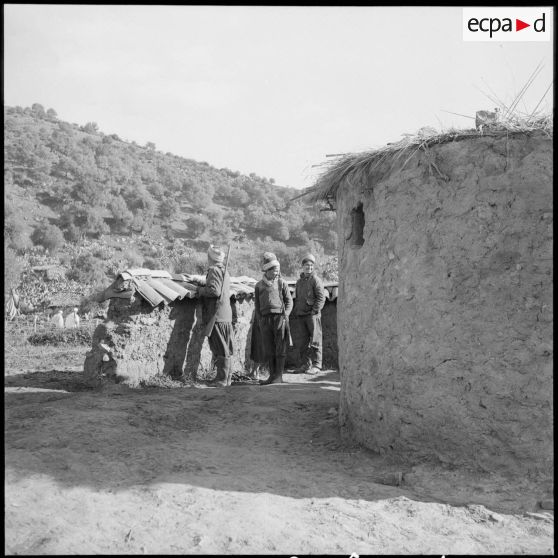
<point x="519" y="25"/>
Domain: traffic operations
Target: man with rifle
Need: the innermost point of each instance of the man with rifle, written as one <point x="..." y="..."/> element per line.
<point x="217" y="314"/>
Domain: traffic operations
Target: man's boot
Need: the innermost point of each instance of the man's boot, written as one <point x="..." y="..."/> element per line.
<point x="221" y="376"/>
<point x="276" y="376"/>
<point x="228" y="370"/>
<point x="272" y="373"/>
<point x="306" y="364"/>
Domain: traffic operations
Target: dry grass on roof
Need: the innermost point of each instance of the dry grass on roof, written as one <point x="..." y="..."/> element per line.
<point x="357" y="168"/>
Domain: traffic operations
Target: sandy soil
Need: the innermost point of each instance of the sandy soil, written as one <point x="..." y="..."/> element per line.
<point x="244" y="470"/>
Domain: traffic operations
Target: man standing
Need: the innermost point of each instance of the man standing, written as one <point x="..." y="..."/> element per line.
<point x="272" y="305"/>
<point x="220" y="339"/>
<point x="308" y="304"/>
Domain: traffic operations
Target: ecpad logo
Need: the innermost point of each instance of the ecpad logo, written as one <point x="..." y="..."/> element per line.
<point x="507" y="24"/>
<point x="493" y="25"/>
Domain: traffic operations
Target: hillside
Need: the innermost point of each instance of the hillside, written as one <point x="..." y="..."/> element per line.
<point x="94" y="204"/>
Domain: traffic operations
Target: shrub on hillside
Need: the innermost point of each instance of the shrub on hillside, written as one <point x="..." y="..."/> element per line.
<point x="73" y="233"/>
<point x="48" y="236"/>
<point x="87" y="269"/>
<point x="17" y="236"/>
<point x="152" y="263"/>
<point x="123" y="217"/>
<point x="132" y="259"/>
<point x="189" y="262"/>
<point x="197" y="225"/>
<point x="103" y="252"/>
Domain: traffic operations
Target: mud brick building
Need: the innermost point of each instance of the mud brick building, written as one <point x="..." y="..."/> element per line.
<point x="153" y="328"/>
<point x="444" y="313"/>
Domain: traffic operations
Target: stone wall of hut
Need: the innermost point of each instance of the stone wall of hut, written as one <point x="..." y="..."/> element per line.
<point x="445" y="304"/>
<point x="168" y="341"/>
<point x="145" y="342"/>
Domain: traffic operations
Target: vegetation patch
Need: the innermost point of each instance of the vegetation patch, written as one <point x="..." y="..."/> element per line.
<point x="61" y="337"/>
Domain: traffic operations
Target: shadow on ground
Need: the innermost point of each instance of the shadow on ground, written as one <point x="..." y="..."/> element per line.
<point x="281" y="439"/>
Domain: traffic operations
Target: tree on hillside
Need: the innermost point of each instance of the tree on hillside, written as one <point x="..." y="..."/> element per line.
<point x="156" y="189"/>
<point x="95" y="224"/>
<point x="66" y="128"/>
<point x="143" y="220"/>
<point x="65" y="167"/>
<point x="16" y="234"/>
<point x="168" y="209"/>
<point x="238" y="197"/>
<point x="38" y="110"/>
<point x="48" y="236"/>
<point x="61" y="192"/>
<point x="62" y="142"/>
<point x="197" y="225"/>
<point x="234" y="218"/>
<point x="91" y="128"/>
<point x="89" y="270"/>
<point x="278" y="229"/>
<point x="73" y="233"/>
<point x="123" y="217"/>
<point x="92" y="180"/>
<point x="87" y="218"/>
<point x="200" y="197"/>
<point x="86" y="191"/>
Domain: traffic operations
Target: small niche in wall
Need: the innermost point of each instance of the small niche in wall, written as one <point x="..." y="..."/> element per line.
<point x="356" y="238"/>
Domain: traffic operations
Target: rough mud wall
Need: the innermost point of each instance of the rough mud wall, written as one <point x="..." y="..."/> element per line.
<point x="445" y="311"/>
<point x="144" y="342"/>
<point x="242" y="365"/>
<point x="329" y="327"/>
<point x="329" y="339"/>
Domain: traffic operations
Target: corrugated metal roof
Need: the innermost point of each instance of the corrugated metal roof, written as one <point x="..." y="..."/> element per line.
<point x="158" y="286"/>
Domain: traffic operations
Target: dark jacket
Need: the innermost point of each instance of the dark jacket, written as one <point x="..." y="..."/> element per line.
<point x="309" y="295"/>
<point x="215" y="281"/>
<point x="257" y="350"/>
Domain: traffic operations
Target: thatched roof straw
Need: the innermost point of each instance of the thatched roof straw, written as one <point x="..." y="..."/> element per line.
<point x="359" y="168"/>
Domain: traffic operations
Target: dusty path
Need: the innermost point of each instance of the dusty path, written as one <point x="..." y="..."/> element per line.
<point x="240" y="471"/>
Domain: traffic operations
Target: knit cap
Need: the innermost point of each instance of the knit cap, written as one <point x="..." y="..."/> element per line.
<point x="269" y="260"/>
<point x="308" y="258"/>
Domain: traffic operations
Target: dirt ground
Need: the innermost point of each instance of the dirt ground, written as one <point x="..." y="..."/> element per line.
<point x="244" y="470"/>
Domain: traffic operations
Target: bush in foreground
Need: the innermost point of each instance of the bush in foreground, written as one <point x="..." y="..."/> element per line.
<point x="61" y="337"/>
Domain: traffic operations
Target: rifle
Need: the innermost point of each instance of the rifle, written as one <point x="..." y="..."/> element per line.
<point x="288" y="328"/>
<point x="209" y="327"/>
<point x="287" y="325"/>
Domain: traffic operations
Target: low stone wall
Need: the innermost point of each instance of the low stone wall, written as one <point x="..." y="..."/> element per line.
<point x="138" y="342"/>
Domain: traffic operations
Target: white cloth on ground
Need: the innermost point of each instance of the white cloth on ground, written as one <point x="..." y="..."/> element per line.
<point x="57" y="320"/>
<point x="72" y="320"/>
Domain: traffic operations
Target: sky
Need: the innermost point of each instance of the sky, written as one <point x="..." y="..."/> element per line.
<point x="264" y="89"/>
